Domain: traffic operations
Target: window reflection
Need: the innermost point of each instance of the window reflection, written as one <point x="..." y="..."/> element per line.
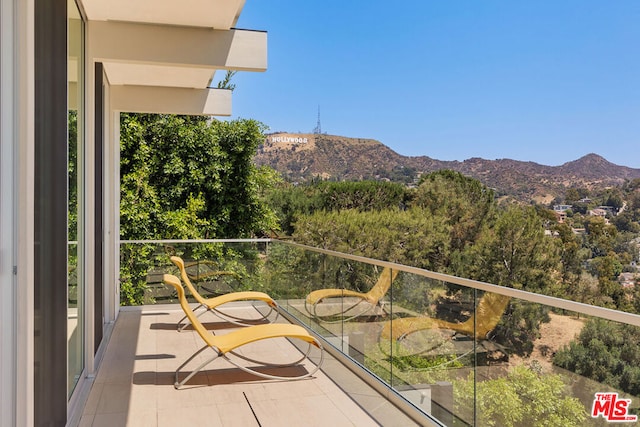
<point x="75" y="284"/>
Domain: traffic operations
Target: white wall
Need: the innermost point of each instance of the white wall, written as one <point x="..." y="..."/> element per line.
<point x="16" y="211"/>
<point x="7" y="360"/>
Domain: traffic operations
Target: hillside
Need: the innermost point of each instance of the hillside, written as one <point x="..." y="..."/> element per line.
<point x="300" y="157"/>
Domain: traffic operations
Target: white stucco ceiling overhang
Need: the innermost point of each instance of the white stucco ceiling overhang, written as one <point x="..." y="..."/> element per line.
<point x="171" y="100"/>
<point x="121" y="73"/>
<point x="171" y="44"/>
<point x="217" y="14"/>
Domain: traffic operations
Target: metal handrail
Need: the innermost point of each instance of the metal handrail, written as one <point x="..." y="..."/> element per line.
<point x="162" y="241"/>
<point x="578" y="307"/>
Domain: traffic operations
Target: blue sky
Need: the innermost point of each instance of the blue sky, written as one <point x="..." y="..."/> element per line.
<point x="545" y="81"/>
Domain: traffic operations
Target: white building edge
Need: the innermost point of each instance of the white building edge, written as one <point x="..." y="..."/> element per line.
<point x="97" y="58"/>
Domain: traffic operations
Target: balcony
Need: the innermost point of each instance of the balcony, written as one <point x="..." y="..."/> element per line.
<point x="134" y="386"/>
<point x="431" y="349"/>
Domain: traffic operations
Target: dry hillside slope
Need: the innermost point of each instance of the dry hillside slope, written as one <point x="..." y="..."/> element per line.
<point x="300" y="157"/>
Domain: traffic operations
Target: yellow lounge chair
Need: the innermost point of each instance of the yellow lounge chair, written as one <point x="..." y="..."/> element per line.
<point x="224" y="345"/>
<point x="212" y="304"/>
<point x="485" y="318"/>
<point x="372" y="298"/>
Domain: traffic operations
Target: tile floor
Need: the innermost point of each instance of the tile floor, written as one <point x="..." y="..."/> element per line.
<point x="134" y="385"/>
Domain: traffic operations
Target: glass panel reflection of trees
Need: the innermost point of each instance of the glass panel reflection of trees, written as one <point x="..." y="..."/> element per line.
<point x="75" y="283"/>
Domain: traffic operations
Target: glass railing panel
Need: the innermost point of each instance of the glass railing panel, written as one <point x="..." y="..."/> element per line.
<point x="141" y="269"/>
<point x="214" y="267"/>
<point x="217" y="268"/>
<point x="546" y="365"/>
<point x="493" y="327"/>
<point x="598" y="362"/>
<point x="429" y="345"/>
<point x="310" y="286"/>
<point x="291" y="272"/>
<point x="464" y="355"/>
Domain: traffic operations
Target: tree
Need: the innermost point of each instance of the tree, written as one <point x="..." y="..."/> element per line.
<point x="613" y="197"/>
<point x="625" y="222"/>
<point x="290" y="201"/>
<point x="412" y="237"/>
<point x="606" y="352"/>
<point x="188" y="177"/>
<point x="570" y="258"/>
<point x="586" y="290"/>
<point x="515" y="252"/>
<point x="600" y="236"/>
<point x="523" y="398"/>
<point x="574" y="194"/>
<point x="465" y="203"/>
<point x="606" y="269"/>
<point x="361" y="195"/>
<point x="239" y="208"/>
<point x="225" y="83"/>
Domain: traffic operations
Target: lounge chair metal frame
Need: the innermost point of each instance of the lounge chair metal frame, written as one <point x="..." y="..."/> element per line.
<point x="373" y="297"/>
<point x="212" y="304"/>
<point x="224" y="345"/>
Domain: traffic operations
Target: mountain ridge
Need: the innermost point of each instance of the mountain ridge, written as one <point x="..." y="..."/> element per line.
<point x="301" y="157"/>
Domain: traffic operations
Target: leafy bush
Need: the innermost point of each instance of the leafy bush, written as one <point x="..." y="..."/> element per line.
<point x="606" y="352"/>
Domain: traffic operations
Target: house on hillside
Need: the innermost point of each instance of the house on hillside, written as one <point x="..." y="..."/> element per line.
<point x="598" y="212"/>
<point x="560" y="216"/>
<point x="608" y="209"/>
<point x="627" y="280"/>
<point x="561" y="208"/>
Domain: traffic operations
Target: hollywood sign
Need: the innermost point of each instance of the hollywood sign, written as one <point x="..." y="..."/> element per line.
<point x="294" y="139"/>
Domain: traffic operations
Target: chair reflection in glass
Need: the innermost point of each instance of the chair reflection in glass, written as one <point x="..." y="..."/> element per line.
<point x="423" y="335"/>
<point x="340" y="305"/>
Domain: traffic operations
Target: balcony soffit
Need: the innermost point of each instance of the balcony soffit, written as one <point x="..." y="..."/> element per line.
<point x="157" y="75"/>
<point x="172" y="56"/>
<point x="217" y="14"/>
<point x="178" y="46"/>
<point x="168" y="47"/>
<point x="171" y="100"/>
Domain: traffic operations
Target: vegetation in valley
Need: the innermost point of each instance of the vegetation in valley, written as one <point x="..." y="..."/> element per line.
<point x="606" y="352"/>
<point x="453" y="224"/>
<point x="524" y="397"/>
